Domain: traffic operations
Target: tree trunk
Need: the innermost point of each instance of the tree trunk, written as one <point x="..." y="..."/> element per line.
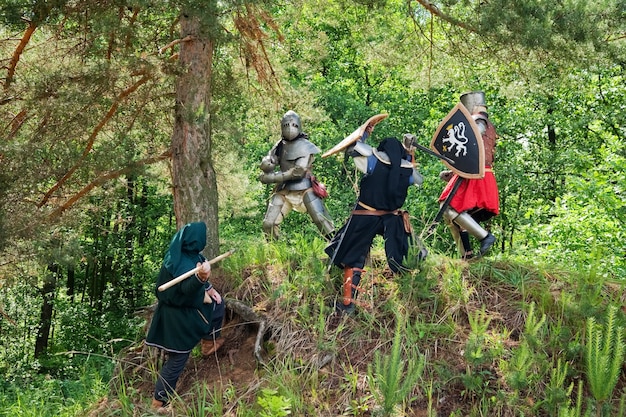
<point x="71" y="282"/>
<point x="552" y="147"/>
<point x="194" y="183"/>
<point x="47" y="308"/>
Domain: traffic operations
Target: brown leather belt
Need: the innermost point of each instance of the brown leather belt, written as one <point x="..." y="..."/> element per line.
<point x="375" y="212"/>
<point x="371" y="211"/>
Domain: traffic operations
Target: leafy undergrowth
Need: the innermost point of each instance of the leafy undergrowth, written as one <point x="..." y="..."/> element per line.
<point x="492" y="337"/>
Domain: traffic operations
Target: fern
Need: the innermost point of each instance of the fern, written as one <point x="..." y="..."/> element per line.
<point x="533" y="326"/>
<point x="389" y="382"/>
<point x="604" y="354"/>
<point x="556" y="392"/>
<point x="566" y="411"/>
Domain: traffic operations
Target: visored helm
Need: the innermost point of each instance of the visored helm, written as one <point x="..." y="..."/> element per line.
<point x="474" y="102"/>
<point x="409" y="141"/>
<point x="290" y="125"/>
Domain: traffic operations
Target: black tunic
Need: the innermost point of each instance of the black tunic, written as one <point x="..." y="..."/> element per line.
<point x="384" y="189"/>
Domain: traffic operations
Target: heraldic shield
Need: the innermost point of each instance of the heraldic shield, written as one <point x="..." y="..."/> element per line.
<point x="459" y="139"/>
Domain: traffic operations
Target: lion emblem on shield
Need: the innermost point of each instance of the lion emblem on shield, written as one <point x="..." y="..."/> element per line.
<point x="456" y="138"/>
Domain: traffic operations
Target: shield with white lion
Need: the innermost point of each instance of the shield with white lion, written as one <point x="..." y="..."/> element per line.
<point x="458" y="138"/>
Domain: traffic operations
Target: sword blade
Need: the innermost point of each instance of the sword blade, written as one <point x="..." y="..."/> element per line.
<point x="428" y="151"/>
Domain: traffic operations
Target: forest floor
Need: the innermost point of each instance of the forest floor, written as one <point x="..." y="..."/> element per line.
<point x="235" y="367"/>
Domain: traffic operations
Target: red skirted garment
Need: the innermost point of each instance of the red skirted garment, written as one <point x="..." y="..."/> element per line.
<point x="474" y="194"/>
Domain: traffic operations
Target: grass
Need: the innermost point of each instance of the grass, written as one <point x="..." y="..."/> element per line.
<point x="494" y="337"/>
<point x="53" y="397"/>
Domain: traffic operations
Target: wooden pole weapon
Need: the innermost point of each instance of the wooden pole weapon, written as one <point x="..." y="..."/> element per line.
<point x="193" y="271"/>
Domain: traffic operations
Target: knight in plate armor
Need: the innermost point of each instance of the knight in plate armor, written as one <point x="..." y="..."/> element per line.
<point x="288" y="165"/>
<point x="476" y="200"/>
<point x="388" y="174"/>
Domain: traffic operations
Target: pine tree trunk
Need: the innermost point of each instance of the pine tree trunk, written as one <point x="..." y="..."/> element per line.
<point x="194" y="183"/>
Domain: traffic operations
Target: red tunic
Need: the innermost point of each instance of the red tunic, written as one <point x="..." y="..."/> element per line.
<point x="478" y="196"/>
<point x="474" y="194"/>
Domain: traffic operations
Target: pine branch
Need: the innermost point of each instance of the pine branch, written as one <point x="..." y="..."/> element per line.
<point x="18" y="53"/>
<point x="92" y="138"/>
<point x="103" y="179"/>
<point x="174" y="43"/>
<point x="432" y="8"/>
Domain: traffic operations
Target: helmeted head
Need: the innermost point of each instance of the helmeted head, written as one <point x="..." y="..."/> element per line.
<point x="290" y="126"/>
<point x="409" y="141"/>
<point x="474" y="102"/>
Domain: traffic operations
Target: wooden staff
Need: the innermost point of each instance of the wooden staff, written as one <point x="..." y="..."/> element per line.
<point x="193" y="271"/>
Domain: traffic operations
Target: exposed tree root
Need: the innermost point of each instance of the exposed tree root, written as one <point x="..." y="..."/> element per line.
<point x="249" y="315"/>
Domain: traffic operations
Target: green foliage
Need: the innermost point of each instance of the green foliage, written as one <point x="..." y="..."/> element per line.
<point x="519" y="368"/>
<point x="105" y="271"/>
<point x="44" y="396"/>
<point x="272" y="404"/>
<point x="532" y="327"/>
<point x="553" y="74"/>
<point x="476" y="351"/>
<point x="500" y="375"/>
<point x="455" y="289"/>
<point x="604" y="355"/>
<point x="572" y="215"/>
<point x="205" y="402"/>
<point x="390" y="382"/>
<point x="557" y="392"/>
<point x="576" y="411"/>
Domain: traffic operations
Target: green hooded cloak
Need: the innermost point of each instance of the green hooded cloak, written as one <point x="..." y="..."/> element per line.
<point x="181" y="317"/>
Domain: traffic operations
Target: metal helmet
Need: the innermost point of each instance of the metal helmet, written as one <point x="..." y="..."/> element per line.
<point x="290" y="126"/>
<point x="474" y="102"/>
<point x="409" y="142"/>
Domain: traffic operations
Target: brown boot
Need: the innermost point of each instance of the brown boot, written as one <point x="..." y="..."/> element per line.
<point x="211" y="346"/>
<point x="351" y="279"/>
<point x="159" y="407"/>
